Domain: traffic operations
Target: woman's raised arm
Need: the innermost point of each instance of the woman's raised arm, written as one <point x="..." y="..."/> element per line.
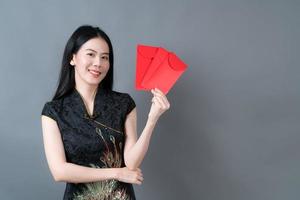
<point x="136" y="149"/>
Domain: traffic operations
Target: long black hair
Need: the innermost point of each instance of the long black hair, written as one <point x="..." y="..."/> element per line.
<point x="67" y="74"/>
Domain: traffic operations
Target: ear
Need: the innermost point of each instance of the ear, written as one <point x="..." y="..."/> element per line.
<point x="72" y="61"/>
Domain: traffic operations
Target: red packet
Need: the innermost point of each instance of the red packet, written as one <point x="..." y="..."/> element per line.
<point x="156" y="67"/>
<point x="145" y="55"/>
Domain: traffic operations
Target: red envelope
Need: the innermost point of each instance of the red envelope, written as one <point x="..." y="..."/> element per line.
<point x="145" y="55"/>
<point x="156" y="67"/>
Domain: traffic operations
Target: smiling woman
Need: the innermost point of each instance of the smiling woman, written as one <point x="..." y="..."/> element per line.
<point x="92" y="54"/>
<point x="89" y="130"/>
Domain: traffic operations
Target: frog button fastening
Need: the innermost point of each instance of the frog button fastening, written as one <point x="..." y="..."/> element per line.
<point x="98" y="131"/>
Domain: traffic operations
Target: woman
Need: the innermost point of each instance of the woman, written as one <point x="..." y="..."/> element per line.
<point x="89" y="130"/>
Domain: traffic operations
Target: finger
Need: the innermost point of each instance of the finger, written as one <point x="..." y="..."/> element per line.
<point x="140" y="174"/>
<point x="141" y="179"/>
<point x="138" y="182"/>
<point x="138" y="169"/>
<point x="159" y="92"/>
<point x="162" y="104"/>
<point x="153" y="91"/>
<point x="153" y="99"/>
<point x="162" y="95"/>
<point x="164" y="100"/>
<point x="157" y="102"/>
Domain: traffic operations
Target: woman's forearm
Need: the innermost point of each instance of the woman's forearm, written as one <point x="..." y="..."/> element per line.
<point x="73" y="173"/>
<point x="138" y="151"/>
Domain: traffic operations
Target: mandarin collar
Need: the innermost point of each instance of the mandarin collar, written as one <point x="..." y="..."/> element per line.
<point x="79" y="103"/>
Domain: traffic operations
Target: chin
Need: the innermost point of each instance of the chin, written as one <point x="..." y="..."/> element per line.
<point x="93" y="82"/>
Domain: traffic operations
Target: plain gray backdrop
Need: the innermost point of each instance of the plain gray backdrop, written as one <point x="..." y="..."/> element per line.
<point x="233" y="129"/>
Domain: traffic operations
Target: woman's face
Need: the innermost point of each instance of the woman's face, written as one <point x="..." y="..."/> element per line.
<point x="91" y="62"/>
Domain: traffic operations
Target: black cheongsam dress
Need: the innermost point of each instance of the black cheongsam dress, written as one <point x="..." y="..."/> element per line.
<point x="94" y="141"/>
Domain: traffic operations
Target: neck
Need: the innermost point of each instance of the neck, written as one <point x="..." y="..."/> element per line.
<point x="88" y="92"/>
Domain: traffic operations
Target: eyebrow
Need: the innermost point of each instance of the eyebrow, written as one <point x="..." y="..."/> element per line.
<point x="96" y="51"/>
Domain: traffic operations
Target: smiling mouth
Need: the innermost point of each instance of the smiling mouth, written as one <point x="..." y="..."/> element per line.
<point x="94" y="72"/>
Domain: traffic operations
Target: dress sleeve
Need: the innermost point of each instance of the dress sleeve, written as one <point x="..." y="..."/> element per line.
<point x="130" y="104"/>
<point x="49" y="111"/>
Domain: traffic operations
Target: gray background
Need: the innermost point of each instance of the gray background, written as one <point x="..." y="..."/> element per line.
<point x="232" y="132"/>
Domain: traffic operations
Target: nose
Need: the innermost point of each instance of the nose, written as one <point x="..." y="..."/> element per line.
<point x="97" y="62"/>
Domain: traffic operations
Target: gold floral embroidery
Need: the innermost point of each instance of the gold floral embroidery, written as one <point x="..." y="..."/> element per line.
<point x="108" y="189"/>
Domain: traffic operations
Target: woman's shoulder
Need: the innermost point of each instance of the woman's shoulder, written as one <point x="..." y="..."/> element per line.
<point x="51" y="108"/>
<point x="121" y="95"/>
<point x="54" y="103"/>
<point x="125" y="99"/>
<point x="117" y="93"/>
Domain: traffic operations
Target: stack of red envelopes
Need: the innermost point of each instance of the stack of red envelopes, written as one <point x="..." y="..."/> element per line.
<point x="156" y="67"/>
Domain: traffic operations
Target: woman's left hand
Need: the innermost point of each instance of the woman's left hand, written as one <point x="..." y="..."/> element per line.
<point x="159" y="105"/>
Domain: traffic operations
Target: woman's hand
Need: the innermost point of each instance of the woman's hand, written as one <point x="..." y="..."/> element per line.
<point x="130" y="176"/>
<point x="159" y="105"/>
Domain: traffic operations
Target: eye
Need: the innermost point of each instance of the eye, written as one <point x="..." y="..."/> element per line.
<point x="104" y="57"/>
<point x="90" y="54"/>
